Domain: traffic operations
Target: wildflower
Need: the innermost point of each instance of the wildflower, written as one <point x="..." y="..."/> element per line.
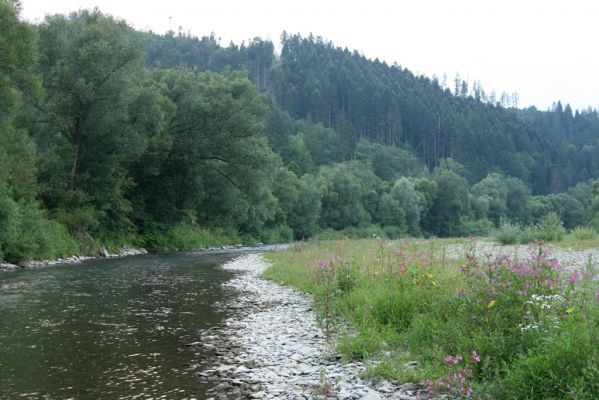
<point x="475" y="356"/>
<point x="491" y="304"/>
<point x="399" y="254"/>
<point x="569" y="310"/>
<point x="596" y="295"/>
<point x="574" y="278"/>
<point x="453" y="360"/>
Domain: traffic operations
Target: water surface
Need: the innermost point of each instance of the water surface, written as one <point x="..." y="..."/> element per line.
<point x="109" y="329"/>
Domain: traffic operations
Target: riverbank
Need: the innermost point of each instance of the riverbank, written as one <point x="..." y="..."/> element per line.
<point x="103" y="253"/>
<point x="476" y="320"/>
<point x="273" y="348"/>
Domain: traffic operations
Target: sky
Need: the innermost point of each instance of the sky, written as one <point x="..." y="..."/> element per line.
<point x="546" y="50"/>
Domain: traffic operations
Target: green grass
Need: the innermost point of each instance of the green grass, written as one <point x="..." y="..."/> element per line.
<point x="407" y="301"/>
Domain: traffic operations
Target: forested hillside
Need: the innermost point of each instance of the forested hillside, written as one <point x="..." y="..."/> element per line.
<point x="112" y="137"/>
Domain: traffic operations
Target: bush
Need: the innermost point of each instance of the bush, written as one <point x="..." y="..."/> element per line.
<point x="508" y="233"/>
<point x="278" y="234"/>
<point x="329" y="234"/>
<point x="550" y="228"/>
<point x="38" y="238"/>
<point x="363" y="232"/>
<point x="582" y="233"/>
<point x="189" y="236"/>
<point x="480" y="227"/>
<point x="527" y="235"/>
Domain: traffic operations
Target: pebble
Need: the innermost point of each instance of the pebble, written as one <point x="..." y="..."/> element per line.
<point x="125" y="251"/>
<point x="272" y="348"/>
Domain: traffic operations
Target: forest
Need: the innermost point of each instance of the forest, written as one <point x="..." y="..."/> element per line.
<point x="115" y="137"/>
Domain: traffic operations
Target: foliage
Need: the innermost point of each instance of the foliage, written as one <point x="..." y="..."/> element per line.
<point x="550" y="228"/>
<point x="131" y="138"/>
<point x="508" y="233"/>
<point x="582" y="233"/>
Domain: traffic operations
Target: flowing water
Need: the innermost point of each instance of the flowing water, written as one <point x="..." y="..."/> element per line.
<point x="111" y="328"/>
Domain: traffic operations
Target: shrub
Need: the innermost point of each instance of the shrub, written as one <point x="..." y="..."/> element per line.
<point x="38" y="238"/>
<point x="362" y="232"/>
<point x="278" y="234"/>
<point x="190" y="236"/>
<point x="550" y="228"/>
<point x="329" y="234"/>
<point x="508" y="233"/>
<point x="527" y="235"/>
<point x="480" y="227"/>
<point x="583" y="233"/>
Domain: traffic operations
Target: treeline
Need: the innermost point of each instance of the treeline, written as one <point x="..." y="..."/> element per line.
<point x="112" y="137"/>
<point x="387" y="104"/>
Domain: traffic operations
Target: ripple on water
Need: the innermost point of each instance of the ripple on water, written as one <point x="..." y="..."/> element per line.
<point x="108" y="328"/>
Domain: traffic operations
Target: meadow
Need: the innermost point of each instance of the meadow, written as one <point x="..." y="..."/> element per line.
<point x="454" y="319"/>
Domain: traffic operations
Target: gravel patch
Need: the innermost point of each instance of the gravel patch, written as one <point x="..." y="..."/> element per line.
<point x="570" y="259"/>
<point x="274" y="349"/>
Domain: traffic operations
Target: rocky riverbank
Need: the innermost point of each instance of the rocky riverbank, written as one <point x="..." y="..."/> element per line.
<point x="272" y="347"/>
<point x="103" y="253"/>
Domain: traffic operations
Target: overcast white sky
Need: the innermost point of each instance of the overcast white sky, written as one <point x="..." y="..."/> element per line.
<point x="546" y="50"/>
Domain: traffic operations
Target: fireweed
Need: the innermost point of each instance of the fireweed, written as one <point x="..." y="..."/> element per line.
<point x="455" y="382"/>
<point x="508" y="294"/>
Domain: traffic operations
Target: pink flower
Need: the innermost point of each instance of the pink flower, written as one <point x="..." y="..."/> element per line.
<point x="453" y="360"/>
<point x="475" y="356"/>
<point x="574" y="278"/>
<point x="596" y="295"/>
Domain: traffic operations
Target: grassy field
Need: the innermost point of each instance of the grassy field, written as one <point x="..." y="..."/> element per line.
<point x="456" y="322"/>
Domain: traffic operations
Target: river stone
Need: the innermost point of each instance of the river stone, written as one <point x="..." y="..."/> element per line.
<point x="103" y="252"/>
<point x="371" y="396"/>
<point x="8" y="267"/>
<point x="408" y="387"/>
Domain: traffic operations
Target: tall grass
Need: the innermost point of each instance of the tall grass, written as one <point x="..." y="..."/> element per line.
<point x="494" y="327"/>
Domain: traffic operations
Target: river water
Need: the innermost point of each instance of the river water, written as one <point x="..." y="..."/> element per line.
<point x="110" y="328"/>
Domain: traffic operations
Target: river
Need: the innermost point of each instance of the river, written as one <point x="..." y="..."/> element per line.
<point x="110" y="328"/>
